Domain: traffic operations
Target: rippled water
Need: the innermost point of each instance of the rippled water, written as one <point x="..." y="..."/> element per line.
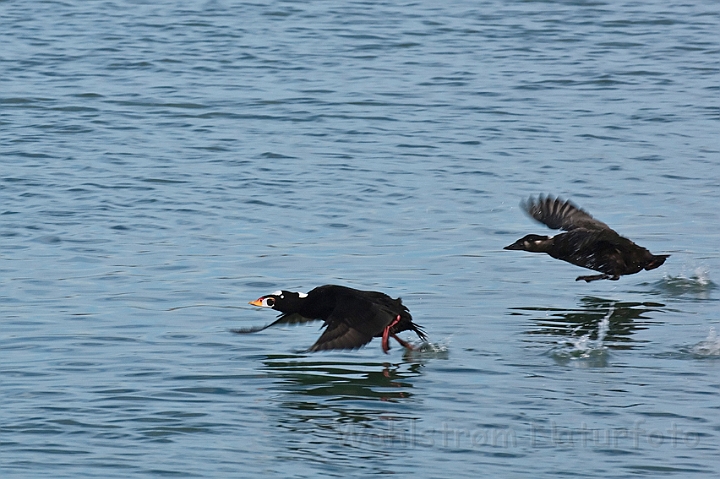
<point x="164" y="164"/>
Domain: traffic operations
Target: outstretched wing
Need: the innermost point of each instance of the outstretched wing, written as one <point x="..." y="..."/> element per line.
<point x="558" y="214"/>
<point x="340" y="335"/>
<point x="352" y="324"/>
<point x="292" y="318"/>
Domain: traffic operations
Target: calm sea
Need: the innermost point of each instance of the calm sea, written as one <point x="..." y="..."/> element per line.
<point x="163" y="163"/>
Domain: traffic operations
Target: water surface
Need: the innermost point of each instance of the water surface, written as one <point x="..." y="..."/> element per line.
<point x="161" y="165"/>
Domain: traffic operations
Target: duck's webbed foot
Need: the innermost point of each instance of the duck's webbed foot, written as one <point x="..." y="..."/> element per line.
<point x="596" y="277"/>
<point x="386" y="335"/>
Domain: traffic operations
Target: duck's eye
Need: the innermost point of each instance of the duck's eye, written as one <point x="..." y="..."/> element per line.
<point x="270" y="302"/>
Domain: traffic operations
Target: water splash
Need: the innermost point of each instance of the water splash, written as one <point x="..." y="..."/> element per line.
<point x="702" y="276"/>
<point x="585" y="345"/>
<point x="427" y="349"/>
<point x="698" y="284"/>
<point x="591" y="352"/>
<point x="709" y="348"/>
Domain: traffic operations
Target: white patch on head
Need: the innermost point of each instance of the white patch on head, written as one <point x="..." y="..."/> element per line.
<point x="280" y="295"/>
<point x="267" y="302"/>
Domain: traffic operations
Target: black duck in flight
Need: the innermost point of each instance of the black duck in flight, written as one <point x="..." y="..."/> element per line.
<point x="352" y="317"/>
<point x="588" y="242"/>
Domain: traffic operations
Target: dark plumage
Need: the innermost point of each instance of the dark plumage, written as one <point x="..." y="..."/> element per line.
<point x="588" y="242"/>
<point x="352" y="317"/>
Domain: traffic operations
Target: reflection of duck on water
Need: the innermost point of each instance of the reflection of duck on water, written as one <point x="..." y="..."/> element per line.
<point x="343" y="381"/>
<point x="588" y="242"/>
<point x="624" y="319"/>
<point x="321" y="405"/>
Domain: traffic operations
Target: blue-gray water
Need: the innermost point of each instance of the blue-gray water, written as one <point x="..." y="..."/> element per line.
<point x="163" y="165"/>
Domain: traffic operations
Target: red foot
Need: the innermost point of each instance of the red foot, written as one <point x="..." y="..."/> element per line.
<point x="386" y="335"/>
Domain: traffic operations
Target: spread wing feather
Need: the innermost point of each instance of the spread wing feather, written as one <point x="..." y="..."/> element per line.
<point x="558" y="214"/>
<point x="292" y="318"/>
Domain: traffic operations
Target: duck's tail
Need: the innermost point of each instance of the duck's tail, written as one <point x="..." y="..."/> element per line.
<point x="656" y="261"/>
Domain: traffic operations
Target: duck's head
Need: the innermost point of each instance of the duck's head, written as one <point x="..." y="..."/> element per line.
<point x="284" y="301"/>
<point x="534" y="243"/>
